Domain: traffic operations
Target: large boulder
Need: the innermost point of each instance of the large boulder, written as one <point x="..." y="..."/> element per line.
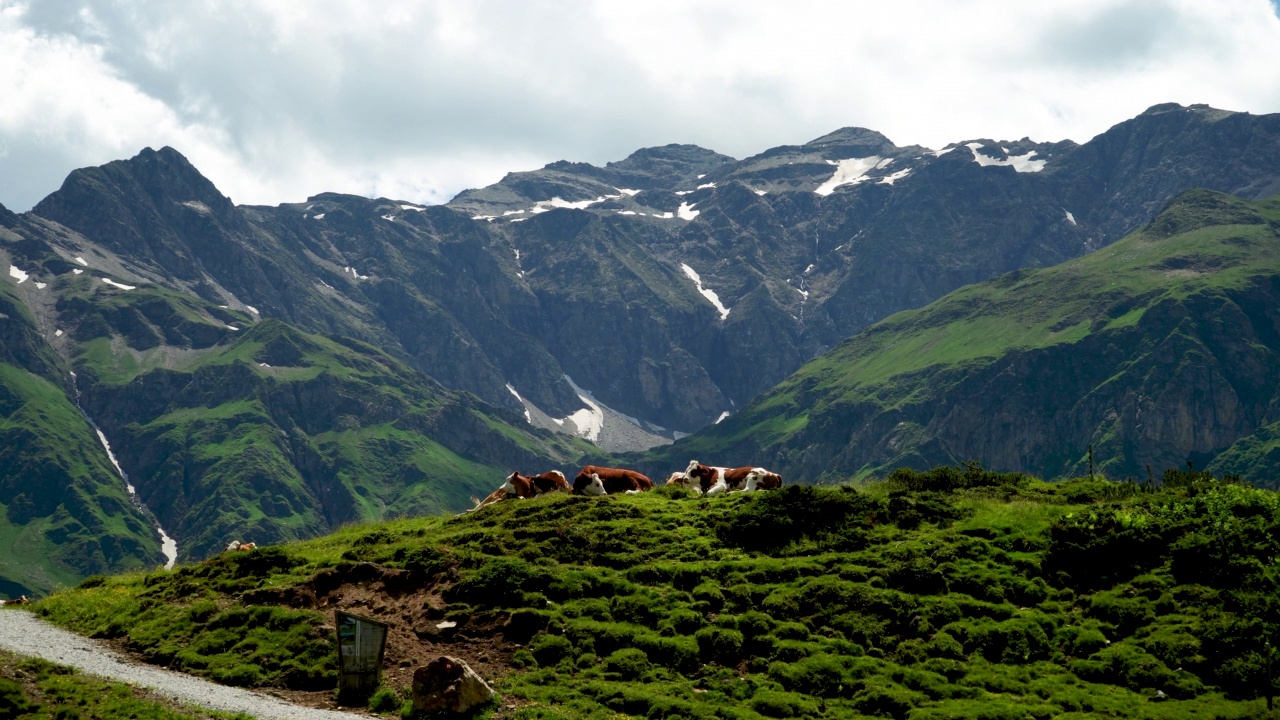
<point x="449" y="685"/>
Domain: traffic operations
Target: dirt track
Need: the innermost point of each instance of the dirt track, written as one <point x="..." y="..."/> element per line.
<point x="24" y="634"/>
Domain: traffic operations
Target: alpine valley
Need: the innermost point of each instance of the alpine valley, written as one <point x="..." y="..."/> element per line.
<point x="176" y="368"/>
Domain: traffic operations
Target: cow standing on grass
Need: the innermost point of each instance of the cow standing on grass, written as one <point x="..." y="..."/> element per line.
<point x="596" y="480"/>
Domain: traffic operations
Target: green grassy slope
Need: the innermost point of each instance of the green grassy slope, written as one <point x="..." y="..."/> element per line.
<point x="1162" y="347"/>
<point x="64" y="511"/>
<point x="275" y="434"/>
<point x="955" y="593"/>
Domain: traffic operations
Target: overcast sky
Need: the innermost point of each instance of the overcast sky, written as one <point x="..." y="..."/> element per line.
<point x="275" y="101"/>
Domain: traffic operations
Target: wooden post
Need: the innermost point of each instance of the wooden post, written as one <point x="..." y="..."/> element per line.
<point x="1090" y="462"/>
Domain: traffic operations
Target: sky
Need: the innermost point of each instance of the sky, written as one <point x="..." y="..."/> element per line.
<point x="275" y="101"/>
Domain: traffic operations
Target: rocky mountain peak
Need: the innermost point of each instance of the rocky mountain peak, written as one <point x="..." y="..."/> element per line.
<point x="853" y="137"/>
<point x="669" y="165"/>
<point x="153" y="181"/>
<point x="1199" y="109"/>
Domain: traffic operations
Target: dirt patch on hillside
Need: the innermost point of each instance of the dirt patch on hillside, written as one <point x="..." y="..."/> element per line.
<point x="421" y="626"/>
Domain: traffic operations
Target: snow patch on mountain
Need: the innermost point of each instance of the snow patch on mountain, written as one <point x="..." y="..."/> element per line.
<point x="890" y="179"/>
<point x="122" y="286"/>
<point x="686" y="211"/>
<point x="588" y="420"/>
<point x="708" y="293"/>
<point x="14" y="272"/>
<point x="1070" y="218"/>
<point x="851" y="172"/>
<point x="81" y="261"/>
<point x="1020" y="163"/>
<point x="527" y="417"/>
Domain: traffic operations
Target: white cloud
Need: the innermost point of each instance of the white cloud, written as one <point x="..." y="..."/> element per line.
<point x="277" y="100"/>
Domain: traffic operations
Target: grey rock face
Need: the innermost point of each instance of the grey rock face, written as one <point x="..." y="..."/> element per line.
<point x="579" y="270"/>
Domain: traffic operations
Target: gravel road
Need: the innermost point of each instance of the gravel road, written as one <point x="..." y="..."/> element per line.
<point x="25" y="634"/>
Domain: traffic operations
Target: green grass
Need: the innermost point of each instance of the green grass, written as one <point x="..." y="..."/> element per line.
<point x="33" y="689"/>
<point x="956" y="593"/>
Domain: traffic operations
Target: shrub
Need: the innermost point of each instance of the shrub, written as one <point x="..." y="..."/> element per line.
<point x="716" y="644"/>
<point x="885" y="698"/>
<point x="550" y="649"/>
<point x="754" y="623"/>
<point x="774" y="704"/>
<point x="523" y="659"/>
<point x="776" y="519"/>
<point x="384" y="700"/>
<point x="792" y="631"/>
<point x="634" y="609"/>
<point x="683" y="621"/>
<point x="678" y="653"/>
<point x="822" y="675"/>
<point x="244" y="675"/>
<point x="500" y="582"/>
<point x="948" y="479"/>
<point x="626" y="664"/>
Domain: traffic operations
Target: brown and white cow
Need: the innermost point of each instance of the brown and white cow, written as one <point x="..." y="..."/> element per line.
<point x="714" y="480"/>
<point x="525" y="486"/>
<point x="683" y="480"/>
<point x="550" y="481"/>
<point x="761" y="479"/>
<point x="610" y="480"/>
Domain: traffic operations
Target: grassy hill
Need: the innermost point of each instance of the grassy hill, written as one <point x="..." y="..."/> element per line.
<point x="956" y="593"/>
<point x="64" y="510"/>
<point x="1161" y="348"/>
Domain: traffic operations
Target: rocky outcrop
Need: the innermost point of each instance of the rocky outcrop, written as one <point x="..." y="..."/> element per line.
<point x="448" y="685"/>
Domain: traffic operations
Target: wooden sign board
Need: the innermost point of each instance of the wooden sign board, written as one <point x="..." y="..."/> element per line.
<point x="361" y="644"/>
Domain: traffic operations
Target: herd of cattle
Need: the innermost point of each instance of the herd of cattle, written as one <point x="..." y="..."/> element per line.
<point x="596" y="480"/>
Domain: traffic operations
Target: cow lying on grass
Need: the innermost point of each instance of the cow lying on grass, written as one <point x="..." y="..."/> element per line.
<point x="237" y="545"/>
<point x="714" y="480"/>
<point x="596" y="480"/>
<point x="526" y="486"/>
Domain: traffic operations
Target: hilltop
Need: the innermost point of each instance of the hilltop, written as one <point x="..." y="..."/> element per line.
<point x="955" y="593"/>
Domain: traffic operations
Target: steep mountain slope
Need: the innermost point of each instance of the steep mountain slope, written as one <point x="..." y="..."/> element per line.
<point x="227" y="425"/>
<point x="64" y="510"/>
<point x="707" y="279"/>
<point x="1161" y="348"/>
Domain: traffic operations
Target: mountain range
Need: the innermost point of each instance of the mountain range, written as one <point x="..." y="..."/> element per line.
<point x="268" y="373"/>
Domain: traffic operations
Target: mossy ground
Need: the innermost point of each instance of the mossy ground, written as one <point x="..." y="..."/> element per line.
<point x="33" y="689"/>
<point x="953" y="593"/>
